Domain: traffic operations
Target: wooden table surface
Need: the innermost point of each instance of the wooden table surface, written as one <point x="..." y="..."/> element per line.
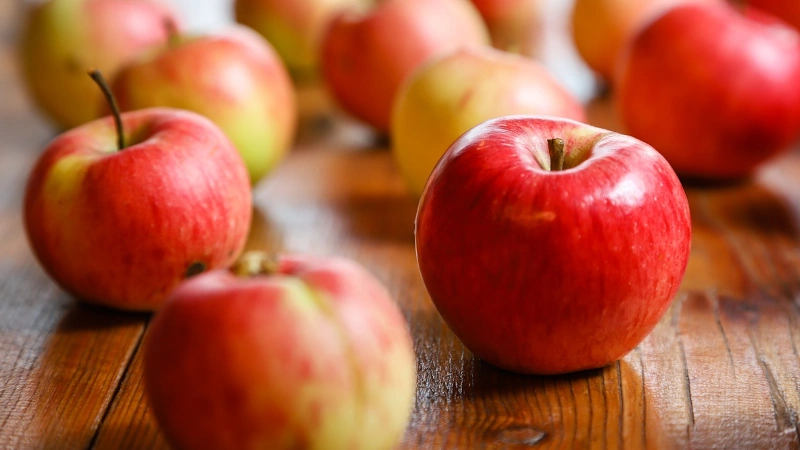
<point x="720" y="371"/>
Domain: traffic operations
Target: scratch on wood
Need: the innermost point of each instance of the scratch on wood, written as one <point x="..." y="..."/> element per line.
<point x="687" y="381"/>
<point x="591" y="406"/>
<point x="605" y="402"/>
<point x="575" y="416"/>
<point x="644" y="398"/>
<point x="136" y="349"/>
<point x="621" y="406"/>
<point x="785" y="418"/>
<point x="714" y="299"/>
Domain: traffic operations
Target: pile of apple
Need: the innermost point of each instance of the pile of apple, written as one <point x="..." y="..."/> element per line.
<point x="547" y="245"/>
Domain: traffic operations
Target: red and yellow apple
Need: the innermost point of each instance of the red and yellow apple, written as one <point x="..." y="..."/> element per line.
<point x="713" y="108"/>
<point x="602" y="28"/>
<point x="63" y="39"/>
<point x="119" y="219"/>
<point x="367" y="56"/>
<point x="304" y="353"/>
<point x="449" y="95"/>
<point x="515" y="25"/>
<point x="234" y="78"/>
<point x="551" y="246"/>
<point x="295" y="28"/>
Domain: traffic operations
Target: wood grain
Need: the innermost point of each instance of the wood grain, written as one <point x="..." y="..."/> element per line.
<point x="721" y="370"/>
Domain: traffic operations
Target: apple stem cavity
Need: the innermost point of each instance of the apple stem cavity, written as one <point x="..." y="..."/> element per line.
<point x="254" y="263"/>
<point x="112" y="103"/>
<point x="556" y="148"/>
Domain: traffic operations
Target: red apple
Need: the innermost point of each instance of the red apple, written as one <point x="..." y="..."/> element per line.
<point x="452" y="94"/>
<point x="787" y="10"/>
<point x="602" y="28"/>
<point x="309" y="353"/>
<point x="294" y="27"/>
<point x="366" y="57"/>
<point x="545" y="269"/>
<point x="62" y="39"/>
<point x="515" y="25"/>
<point x="713" y="108"/>
<point x="234" y="78"/>
<point x="121" y="224"/>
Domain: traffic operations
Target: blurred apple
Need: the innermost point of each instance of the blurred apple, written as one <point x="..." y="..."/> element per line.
<point x="63" y="39"/>
<point x="235" y="78"/>
<point x="366" y="57"/>
<point x="119" y="215"/>
<point x="715" y="91"/>
<point x="551" y="246"/>
<point x="294" y="28"/>
<point x="450" y="95"/>
<point x="602" y="28"/>
<point x="787" y="10"/>
<point x="515" y="25"/>
<point x="303" y="354"/>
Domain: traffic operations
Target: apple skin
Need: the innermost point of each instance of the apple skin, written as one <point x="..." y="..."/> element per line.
<point x="316" y="355"/>
<point x="121" y="228"/>
<point x="713" y="109"/>
<point x="451" y="94"/>
<point x="235" y="79"/>
<point x="514" y="25"/>
<point x="364" y="62"/>
<point x="787" y="10"/>
<point x="63" y="39"/>
<point x="551" y="272"/>
<point x="294" y="28"/>
<point x="601" y="29"/>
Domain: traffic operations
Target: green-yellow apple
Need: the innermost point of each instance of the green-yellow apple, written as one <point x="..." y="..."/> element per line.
<point x="714" y="109"/>
<point x="367" y="56"/>
<point x="62" y="39"/>
<point x="119" y="219"/>
<point x="551" y="246"/>
<point x="451" y="94"/>
<point x="234" y="78"/>
<point x="788" y="10"/>
<point x="602" y="28"/>
<point x="305" y="353"/>
<point x="294" y="28"/>
<point x="515" y="25"/>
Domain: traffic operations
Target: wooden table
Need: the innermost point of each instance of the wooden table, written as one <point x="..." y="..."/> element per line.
<point x="720" y="371"/>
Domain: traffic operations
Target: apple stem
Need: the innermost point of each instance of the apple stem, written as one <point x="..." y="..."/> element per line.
<point x="556" y="148"/>
<point x="254" y="263"/>
<point x="172" y="32"/>
<point x="101" y="82"/>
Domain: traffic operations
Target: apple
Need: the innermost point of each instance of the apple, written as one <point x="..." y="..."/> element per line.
<point x="453" y="93"/>
<point x="514" y="25"/>
<point x="787" y="10"/>
<point x="713" y="109"/>
<point x="234" y="78"/>
<point x="551" y="246"/>
<point x="62" y="39"/>
<point x="294" y="28"/>
<point x="367" y="56"/>
<point x="602" y="28"/>
<point x="119" y="218"/>
<point x="301" y="353"/>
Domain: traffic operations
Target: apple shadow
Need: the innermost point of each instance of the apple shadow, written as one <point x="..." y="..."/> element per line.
<point x="473" y="404"/>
